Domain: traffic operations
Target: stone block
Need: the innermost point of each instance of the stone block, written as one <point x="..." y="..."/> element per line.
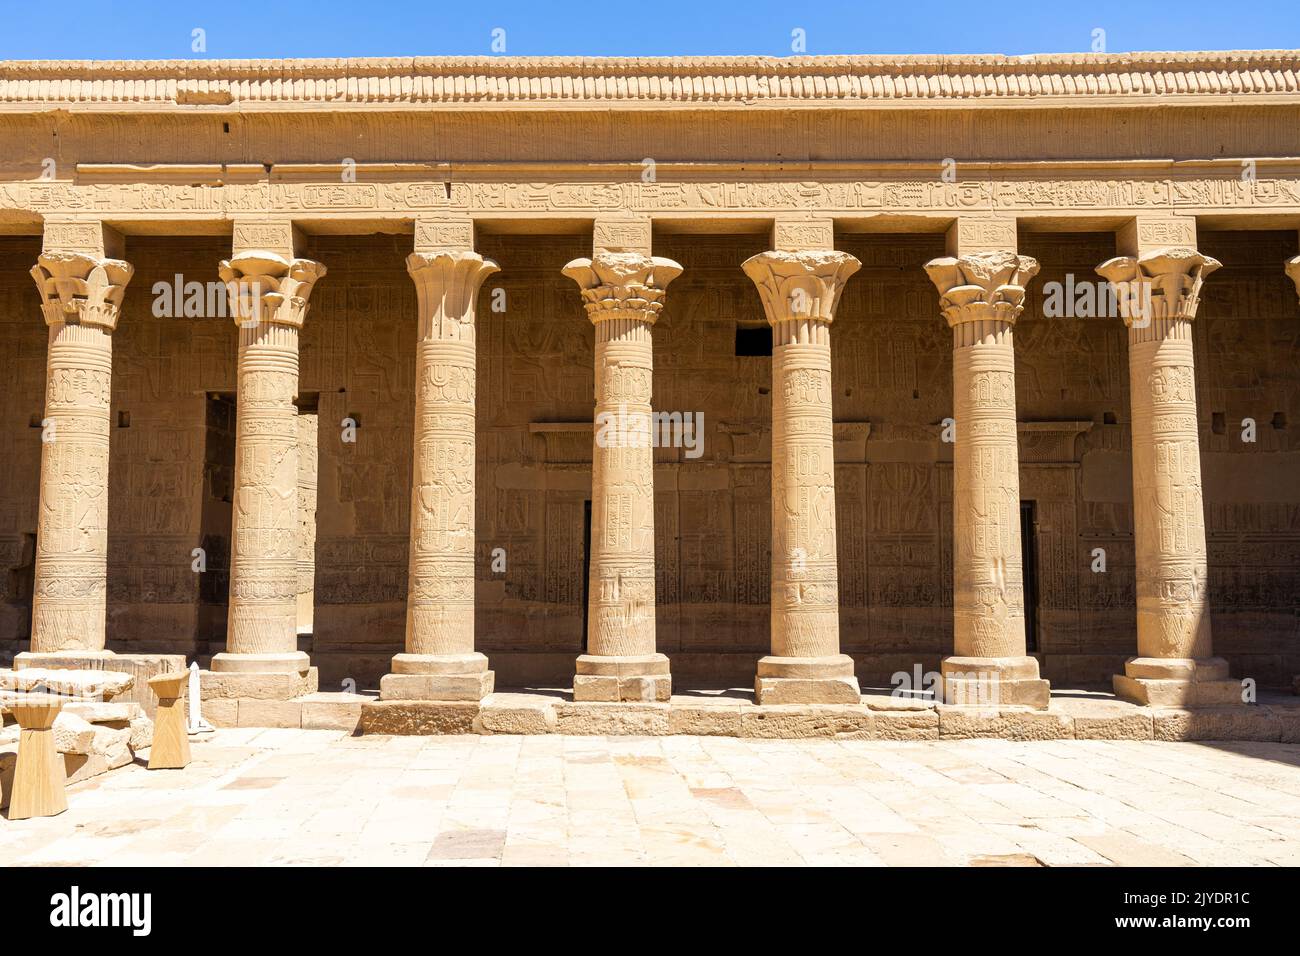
<point x="83" y="684"/>
<point x="454" y="687"/>
<point x="608" y="688"/>
<point x="798" y="690"/>
<point x="906" y="724"/>
<point x="226" y="685"/>
<point x="702" y="717"/>
<point x="516" y="714"/>
<point x="256" y="712"/>
<point x="418" y="717"/>
<point x="881" y="700"/>
<point x="1007" y="723"/>
<point x="332" y="711"/>
<point x="797" y="721"/>
<point x="1217" y="723"/>
<point x="592" y="717"/>
<point x="139" y="666"/>
<point x="1105" y="719"/>
<point x="223" y="712"/>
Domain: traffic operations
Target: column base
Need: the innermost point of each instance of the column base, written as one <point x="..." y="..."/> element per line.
<point x="62" y="660"/>
<point x="294" y="662"/>
<point x="258" y="676"/>
<point x="1177" y="682"/>
<point x="607" y="678"/>
<point x="806" y="680"/>
<point x="993" y="682"/>
<point x="438" y="677"/>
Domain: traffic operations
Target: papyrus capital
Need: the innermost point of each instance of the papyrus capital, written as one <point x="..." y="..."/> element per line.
<point x="269" y="287"/>
<point x="800" y="285"/>
<point x="1161" y="284"/>
<point x="623" y="285"/>
<point x="78" y="288"/>
<point x="982" y="285"/>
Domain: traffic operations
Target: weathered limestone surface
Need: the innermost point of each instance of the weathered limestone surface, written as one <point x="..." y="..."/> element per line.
<point x="623" y="294"/>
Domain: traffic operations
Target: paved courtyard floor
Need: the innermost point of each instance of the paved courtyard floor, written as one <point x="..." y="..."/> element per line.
<point x="318" y="797"/>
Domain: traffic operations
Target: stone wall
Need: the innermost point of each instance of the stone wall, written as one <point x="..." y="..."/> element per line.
<point x="892" y="380"/>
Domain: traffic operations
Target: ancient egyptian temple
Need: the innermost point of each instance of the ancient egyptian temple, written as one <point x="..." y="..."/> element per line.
<point x="443" y="376"/>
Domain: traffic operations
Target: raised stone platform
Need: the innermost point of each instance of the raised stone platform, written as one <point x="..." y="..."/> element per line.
<point x="1071" y="715"/>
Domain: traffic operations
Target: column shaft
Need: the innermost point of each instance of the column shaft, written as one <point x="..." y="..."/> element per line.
<point x="623" y="294"/>
<point x="981" y="296"/>
<point x="439" y="662"/>
<point x="1158" y="294"/>
<point x="268" y="294"/>
<point x="81" y="300"/>
<point x="800" y="291"/>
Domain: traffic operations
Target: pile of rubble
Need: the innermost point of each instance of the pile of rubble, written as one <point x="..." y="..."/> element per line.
<point x="93" y="733"/>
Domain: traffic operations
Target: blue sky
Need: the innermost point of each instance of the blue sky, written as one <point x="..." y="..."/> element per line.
<point x="76" y="29"/>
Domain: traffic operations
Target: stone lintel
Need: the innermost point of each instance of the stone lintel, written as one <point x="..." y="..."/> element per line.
<point x="801" y="234"/>
<point x="627" y="234"/>
<point x="1143" y="234"/>
<point x="970" y="234"/>
<point x="279" y="236"/>
<point x="444" y="234"/>
<point x="89" y="236"/>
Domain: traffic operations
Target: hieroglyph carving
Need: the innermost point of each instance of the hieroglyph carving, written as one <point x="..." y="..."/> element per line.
<point x="81" y="300"/>
<point x="268" y="298"/>
<point x="440" y="600"/>
<point x="623" y="293"/>
<point x="1118" y="192"/>
<point x="800" y="291"/>
<point x="981" y="295"/>
<point x="1173" y="618"/>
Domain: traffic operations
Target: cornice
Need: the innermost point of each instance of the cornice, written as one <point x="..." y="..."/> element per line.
<point x="820" y="82"/>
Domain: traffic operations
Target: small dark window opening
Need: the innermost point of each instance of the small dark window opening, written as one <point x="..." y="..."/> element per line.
<point x="753" y="341"/>
<point x="1109" y="418"/>
<point x="1279" y="420"/>
<point x="123" y="419"/>
<point x="1219" y="423"/>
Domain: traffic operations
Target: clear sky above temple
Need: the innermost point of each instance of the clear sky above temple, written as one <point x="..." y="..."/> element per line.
<point x="106" y="29"/>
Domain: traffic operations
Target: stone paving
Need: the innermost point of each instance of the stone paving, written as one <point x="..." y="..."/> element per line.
<point x="319" y="797"/>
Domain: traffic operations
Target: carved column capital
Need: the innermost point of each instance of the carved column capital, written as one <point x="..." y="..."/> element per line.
<point x="982" y="286"/>
<point x="447" y="284"/>
<point x="81" y="289"/>
<point x="1160" y="284"/>
<point x="266" y="287"/>
<point x="800" y="286"/>
<point x="1293" y="270"/>
<point x="623" y="285"/>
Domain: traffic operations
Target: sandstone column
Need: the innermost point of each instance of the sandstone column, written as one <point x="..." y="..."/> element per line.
<point x="81" y="284"/>
<point x="981" y="294"/>
<point x="268" y="291"/>
<point x="800" y="282"/>
<point x="1158" y="285"/>
<point x="622" y="289"/>
<point x="440" y="662"/>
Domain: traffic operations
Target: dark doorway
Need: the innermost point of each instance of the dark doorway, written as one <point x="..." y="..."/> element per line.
<point x="215" y="519"/>
<point x="1029" y="553"/>
<point x="586" y="568"/>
